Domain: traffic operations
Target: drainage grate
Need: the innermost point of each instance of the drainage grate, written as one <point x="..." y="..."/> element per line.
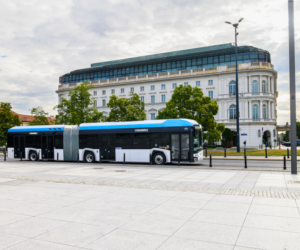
<point x="120" y="170"/>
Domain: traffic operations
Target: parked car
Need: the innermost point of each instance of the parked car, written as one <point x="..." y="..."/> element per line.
<point x="288" y="144"/>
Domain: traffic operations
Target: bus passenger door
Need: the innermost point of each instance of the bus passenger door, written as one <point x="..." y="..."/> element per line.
<point x="19" y="146"/>
<point x="44" y="147"/>
<point x="180" y="146"/>
<point x="103" y="147"/>
<point x="111" y="155"/>
<point x="50" y="148"/>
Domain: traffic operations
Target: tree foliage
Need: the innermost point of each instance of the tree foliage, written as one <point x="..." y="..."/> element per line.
<point x="79" y="108"/>
<point x="7" y="121"/>
<point x="189" y="102"/>
<point x="227" y="136"/>
<point x="40" y="117"/>
<point x="126" y="109"/>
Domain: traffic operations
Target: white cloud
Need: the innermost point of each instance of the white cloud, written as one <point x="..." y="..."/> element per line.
<point x="43" y="40"/>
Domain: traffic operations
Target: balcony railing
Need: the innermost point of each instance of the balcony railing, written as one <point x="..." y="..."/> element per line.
<point x="179" y="73"/>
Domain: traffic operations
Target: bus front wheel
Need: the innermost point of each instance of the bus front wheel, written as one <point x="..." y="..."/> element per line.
<point x="159" y="159"/>
<point x="89" y="157"/>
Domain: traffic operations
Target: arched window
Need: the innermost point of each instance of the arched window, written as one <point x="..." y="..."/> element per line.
<point x="232" y="112"/>
<point x="254" y="87"/>
<point x="255" y="111"/>
<point x="264" y="109"/>
<point x="232" y="88"/>
<point x="264" y="87"/>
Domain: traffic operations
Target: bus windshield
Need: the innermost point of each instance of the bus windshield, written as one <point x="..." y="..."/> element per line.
<point x="197" y="144"/>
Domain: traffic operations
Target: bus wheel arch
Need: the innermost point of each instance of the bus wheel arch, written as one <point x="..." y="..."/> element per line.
<point x="89" y="157"/>
<point x="159" y="158"/>
<point x="33" y="155"/>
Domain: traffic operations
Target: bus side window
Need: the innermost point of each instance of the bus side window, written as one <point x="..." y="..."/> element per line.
<point x="33" y="141"/>
<point x="58" y="142"/>
<point x="124" y="141"/>
<point x="141" y="141"/>
<point x="10" y="141"/>
<point x="89" y="141"/>
<point x="160" y="140"/>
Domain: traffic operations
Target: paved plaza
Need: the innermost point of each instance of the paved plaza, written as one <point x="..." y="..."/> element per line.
<point x="50" y="205"/>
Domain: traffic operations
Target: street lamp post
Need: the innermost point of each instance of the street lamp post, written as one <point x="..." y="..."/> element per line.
<point x="236" y="25"/>
<point x="293" y="133"/>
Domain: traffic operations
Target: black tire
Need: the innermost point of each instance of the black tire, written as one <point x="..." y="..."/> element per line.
<point x="33" y="156"/>
<point x="159" y="159"/>
<point x="89" y="157"/>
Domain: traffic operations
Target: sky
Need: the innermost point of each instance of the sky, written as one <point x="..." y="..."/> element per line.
<point x="43" y="40"/>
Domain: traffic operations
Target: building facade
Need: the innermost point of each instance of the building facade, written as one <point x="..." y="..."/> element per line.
<point x="212" y="69"/>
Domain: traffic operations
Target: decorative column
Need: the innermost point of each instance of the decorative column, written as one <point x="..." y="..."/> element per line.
<point x="260" y="108"/>
<point x="269" y="83"/>
<point x="269" y="114"/>
<point x="246" y="110"/>
<point x="250" y="109"/>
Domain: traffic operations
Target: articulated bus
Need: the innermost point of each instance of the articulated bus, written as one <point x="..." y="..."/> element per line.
<point x="161" y="141"/>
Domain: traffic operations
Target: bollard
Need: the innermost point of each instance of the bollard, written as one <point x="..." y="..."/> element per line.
<point x="245" y="161"/>
<point x="38" y="156"/>
<point x="21" y="157"/>
<point x="178" y="159"/>
<point x="225" y="152"/>
<point x="78" y="157"/>
<point x="210" y="161"/>
<point x="206" y="152"/>
<point x="99" y="157"/>
<point x="4" y="155"/>
<point x="124" y="158"/>
<point x="57" y="157"/>
<point x="266" y="154"/>
<point x="288" y="153"/>
<point x="284" y="162"/>
<point x="150" y="159"/>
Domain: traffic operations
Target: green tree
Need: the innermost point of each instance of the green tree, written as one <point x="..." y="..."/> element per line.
<point x="79" y="108"/>
<point x="298" y="129"/>
<point x="40" y="117"/>
<point x="189" y="102"/>
<point x="7" y="120"/>
<point x="227" y="136"/>
<point x="126" y="109"/>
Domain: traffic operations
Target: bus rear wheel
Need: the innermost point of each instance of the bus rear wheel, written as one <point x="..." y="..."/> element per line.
<point x="159" y="159"/>
<point x="89" y="157"/>
<point x="33" y="156"/>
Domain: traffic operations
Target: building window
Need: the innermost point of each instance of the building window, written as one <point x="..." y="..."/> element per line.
<point x="152" y="116"/>
<point x="210" y="82"/>
<point x="264" y="109"/>
<point x="131" y="89"/>
<point x="254" y="87"/>
<point x="112" y="91"/>
<point x="152" y="87"/>
<point x="232" y="112"/>
<point x="122" y="90"/>
<point x="103" y="103"/>
<point x="142" y="89"/>
<point x="163" y="86"/>
<point x="211" y="94"/>
<point x="163" y="98"/>
<point x="95" y="104"/>
<point x="198" y="83"/>
<point x="95" y="92"/>
<point x="264" y="87"/>
<point x="142" y="99"/>
<point x="232" y="88"/>
<point x="174" y="85"/>
<point x="255" y="111"/>
<point x="103" y="92"/>
<point x="153" y="99"/>
<point x="186" y="84"/>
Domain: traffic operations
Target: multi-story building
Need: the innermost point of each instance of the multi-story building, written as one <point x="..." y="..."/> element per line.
<point x="212" y="69"/>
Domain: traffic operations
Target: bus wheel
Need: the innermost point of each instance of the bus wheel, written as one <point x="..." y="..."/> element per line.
<point x="89" y="157"/>
<point x="159" y="159"/>
<point x="33" y="156"/>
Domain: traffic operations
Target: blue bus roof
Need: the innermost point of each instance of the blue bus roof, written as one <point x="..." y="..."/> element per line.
<point x="41" y="128"/>
<point x="139" y="124"/>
